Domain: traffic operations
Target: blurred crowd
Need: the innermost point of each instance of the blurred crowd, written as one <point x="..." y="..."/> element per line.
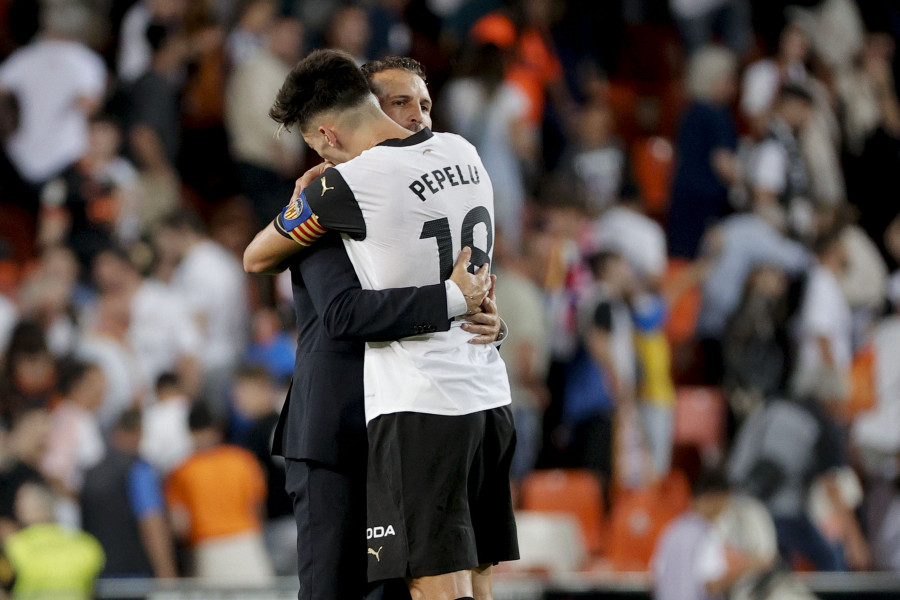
<point x="696" y="210"/>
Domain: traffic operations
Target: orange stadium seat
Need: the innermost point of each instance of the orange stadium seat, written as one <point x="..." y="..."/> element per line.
<point x="639" y="516"/>
<point x="653" y="158"/>
<point x="685" y="307"/>
<point x="574" y="491"/>
<point x="699" y="417"/>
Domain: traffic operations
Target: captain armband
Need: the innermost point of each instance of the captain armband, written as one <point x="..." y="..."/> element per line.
<point x="298" y="223"/>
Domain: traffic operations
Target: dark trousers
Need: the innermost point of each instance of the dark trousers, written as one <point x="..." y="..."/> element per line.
<point x="330" y="510"/>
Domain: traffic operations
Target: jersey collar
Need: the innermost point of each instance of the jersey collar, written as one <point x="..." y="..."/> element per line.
<point x="416" y="138"/>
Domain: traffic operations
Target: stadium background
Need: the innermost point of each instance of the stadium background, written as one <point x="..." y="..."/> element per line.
<point x="672" y="180"/>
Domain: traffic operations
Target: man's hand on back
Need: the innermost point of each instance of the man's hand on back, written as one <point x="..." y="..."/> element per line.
<point x="474" y="287"/>
<point x="486" y="324"/>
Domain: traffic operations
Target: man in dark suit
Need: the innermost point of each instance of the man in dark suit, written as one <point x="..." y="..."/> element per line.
<point x="321" y="432"/>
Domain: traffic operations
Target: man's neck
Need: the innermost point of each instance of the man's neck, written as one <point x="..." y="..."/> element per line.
<point x="377" y="128"/>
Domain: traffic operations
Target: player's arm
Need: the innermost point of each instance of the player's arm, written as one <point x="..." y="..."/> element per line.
<point x="271" y="249"/>
<point x="349" y="312"/>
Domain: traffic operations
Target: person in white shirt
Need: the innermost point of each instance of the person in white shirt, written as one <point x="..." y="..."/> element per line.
<point x="212" y="285"/>
<point x="75" y="443"/>
<point x="691" y="560"/>
<point x="135" y="54"/>
<point x="161" y="329"/>
<point x="825" y="328"/>
<point x="59" y="83"/>
<point x="640" y="240"/>
<point x="165" y="436"/>
<point x="265" y="163"/>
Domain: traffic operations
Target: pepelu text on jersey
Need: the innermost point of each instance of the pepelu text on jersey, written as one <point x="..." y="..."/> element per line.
<point x="437" y="179"/>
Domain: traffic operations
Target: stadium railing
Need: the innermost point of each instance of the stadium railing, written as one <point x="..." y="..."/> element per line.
<point x="827" y="586"/>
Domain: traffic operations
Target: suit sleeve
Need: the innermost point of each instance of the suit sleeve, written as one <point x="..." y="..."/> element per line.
<point x="352" y="313"/>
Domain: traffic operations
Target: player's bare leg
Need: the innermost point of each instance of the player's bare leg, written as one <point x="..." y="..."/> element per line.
<point x="482" y="582"/>
<point x="449" y="586"/>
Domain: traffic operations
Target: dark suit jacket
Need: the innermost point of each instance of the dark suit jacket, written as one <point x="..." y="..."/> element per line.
<point x="323" y="417"/>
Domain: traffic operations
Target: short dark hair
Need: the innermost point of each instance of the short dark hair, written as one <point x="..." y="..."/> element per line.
<point x="167" y="380"/>
<point x="710" y="481"/>
<point x="182" y="219"/>
<point x="71" y="372"/>
<point x="795" y="91"/>
<point x="201" y="417"/>
<point x="253" y="372"/>
<point x="324" y="80"/>
<point x="130" y="420"/>
<point x="387" y="63"/>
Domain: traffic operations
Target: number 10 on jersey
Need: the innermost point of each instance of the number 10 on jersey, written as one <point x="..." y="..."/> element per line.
<point x="439" y="229"/>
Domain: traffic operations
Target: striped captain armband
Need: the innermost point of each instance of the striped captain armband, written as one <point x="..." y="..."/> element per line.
<point x="297" y="222"/>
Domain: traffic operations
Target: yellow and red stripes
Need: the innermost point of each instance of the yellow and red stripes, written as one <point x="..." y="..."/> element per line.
<point x="307" y="232"/>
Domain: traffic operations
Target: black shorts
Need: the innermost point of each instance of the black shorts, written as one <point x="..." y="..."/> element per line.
<point x="438" y="493"/>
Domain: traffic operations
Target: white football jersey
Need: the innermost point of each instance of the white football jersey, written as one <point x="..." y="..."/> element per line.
<point x="406" y="208"/>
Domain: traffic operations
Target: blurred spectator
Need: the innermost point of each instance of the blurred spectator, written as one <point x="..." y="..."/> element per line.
<point x="825" y="328"/>
<point x="165" y="438"/>
<point x="348" y="30"/>
<point x="59" y="84"/>
<point x="249" y="33"/>
<point x="755" y="343"/>
<point x="154" y="114"/>
<point x="763" y="78"/>
<point x="779" y="179"/>
<point x="526" y="351"/>
<point x="705" y="151"/>
<point x="122" y="506"/>
<point x="747" y="530"/>
<point x="625" y="229"/>
<point x="602" y="375"/>
<point x="259" y="401"/>
<point x="699" y="20"/>
<point x="98" y="198"/>
<point x="864" y="281"/>
<point x="492" y="114"/>
<point x="597" y="159"/>
<point x="161" y="329"/>
<point x="779" y="451"/>
<point x="272" y="347"/>
<point x="212" y="284"/>
<point x="818" y="140"/>
<point x="869" y="94"/>
<point x="525" y="32"/>
<point x="75" y="442"/>
<point x="656" y="390"/>
<point x="29" y="372"/>
<point x="106" y="343"/>
<point x="691" y="560"/>
<point x="135" y="54"/>
<point x="47" y="294"/>
<point x="267" y="164"/>
<point x="216" y="499"/>
<point x="27" y="443"/>
<point x="48" y="560"/>
<point x="737" y="246"/>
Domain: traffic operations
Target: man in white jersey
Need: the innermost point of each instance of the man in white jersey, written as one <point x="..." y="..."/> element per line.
<point x="437" y="407"/>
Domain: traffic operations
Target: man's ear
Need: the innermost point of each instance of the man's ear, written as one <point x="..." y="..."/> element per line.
<point x="330" y="137"/>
